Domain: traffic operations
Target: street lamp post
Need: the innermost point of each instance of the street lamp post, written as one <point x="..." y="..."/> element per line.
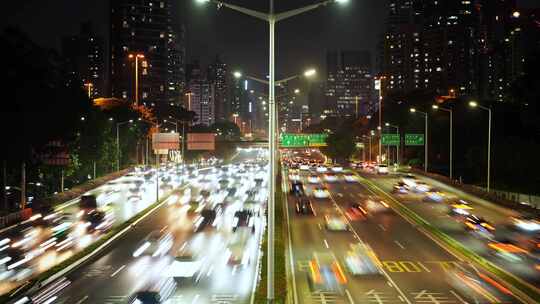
<point x="451" y="112"/>
<point x="272" y="18"/>
<point x="136" y="56"/>
<point x="413" y="110"/>
<point x="398" y="146"/>
<point x="118" y="124"/>
<point x="474" y="104"/>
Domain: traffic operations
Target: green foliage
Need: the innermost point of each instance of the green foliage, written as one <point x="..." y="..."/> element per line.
<point x="340" y="146"/>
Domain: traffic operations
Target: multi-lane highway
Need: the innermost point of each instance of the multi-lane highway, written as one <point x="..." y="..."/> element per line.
<point x="204" y="240"/>
<point x="412" y="268"/>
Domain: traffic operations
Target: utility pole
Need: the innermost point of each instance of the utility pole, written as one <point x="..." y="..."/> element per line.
<point x="23" y="185"/>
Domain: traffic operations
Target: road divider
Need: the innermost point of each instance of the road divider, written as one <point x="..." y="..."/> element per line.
<point x="522" y="290"/>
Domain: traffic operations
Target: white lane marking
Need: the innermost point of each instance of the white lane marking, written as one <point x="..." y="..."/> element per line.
<point x="399" y="244"/>
<point x="326" y="244"/>
<point x="349" y="297"/>
<point x="383" y="271"/>
<point x="320" y="226"/>
<point x="118" y="270"/>
<point x="401" y="298"/>
<point x="382" y="227"/>
<point x="458" y="297"/>
<point x="389" y="284"/>
<point x="82" y="300"/>
<point x="195" y="299"/>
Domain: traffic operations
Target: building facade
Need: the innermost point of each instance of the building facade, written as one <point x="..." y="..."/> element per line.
<point x="144" y="27"/>
<point x="85" y="60"/>
<point x="349" y="82"/>
<point x="218" y="76"/>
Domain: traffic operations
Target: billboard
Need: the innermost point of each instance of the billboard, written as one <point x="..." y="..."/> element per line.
<point x="165" y="141"/>
<point x="201" y="141"/>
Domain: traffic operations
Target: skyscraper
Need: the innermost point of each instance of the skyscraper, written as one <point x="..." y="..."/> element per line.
<point x="85" y="60"/>
<point x="349" y="83"/>
<point x="217" y="75"/>
<point x="144" y="27"/>
<point x="201" y="97"/>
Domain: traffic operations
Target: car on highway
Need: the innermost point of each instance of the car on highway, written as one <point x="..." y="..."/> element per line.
<point x="382" y="169"/>
<point x="304" y="206"/>
<point x="335" y="222"/>
<point x="434" y="195"/>
<point x="479" y="225"/>
<point x="297" y="188"/>
<point x="400" y="188"/>
<point x="528" y="224"/>
<point x="206" y="218"/>
<point x="155" y="244"/>
<point x="304" y="167"/>
<point x="356" y="212"/>
<point x="314" y="179"/>
<point x="337" y="169"/>
<point x="460" y="209"/>
<point x="350" y="178"/>
<point x="325" y="273"/>
<point x="157" y="293"/>
<point x="330" y="177"/>
<point x="244" y="218"/>
<point x="321" y="192"/>
<point x="372" y="205"/>
<point x="466" y="279"/>
<point x="321" y="169"/>
<point x="409" y="180"/>
<point x="422" y="187"/>
<point x="361" y="260"/>
<point x="185" y="266"/>
<point x="294" y="176"/>
<point x="238" y="252"/>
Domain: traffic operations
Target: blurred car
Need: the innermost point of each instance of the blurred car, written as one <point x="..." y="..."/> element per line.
<point x="361" y="260"/>
<point x="207" y="217"/>
<point x="304" y="206"/>
<point x="325" y="273"/>
<point x="304" y="167"/>
<point x="158" y="293"/>
<point x="530" y="224"/>
<point x="297" y="188"/>
<point x="155" y="244"/>
<point x="321" y="192"/>
<point x="186" y="265"/>
<point x="375" y="206"/>
<point x="479" y="225"/>
<point x="337" y="169"/>
<point x="469" y="281"/>
<point x="243" y="218"/>
<point x="356" y="212"/>
<point x="330" y="177"/>
<point x="97" y="220"/>
<point x="353" y="165"/>
<point x="314" y="179"/>
<point x="382" y="169"/>
<point x="434" y="196"/>
<point x="294" y="176"/>
<point x="237" y="252"/>
<point x="334" y="222"/>
<point x="321" y="169"/>
<point x="350" y="178"/>
<point x="422" y="187"/>
<point x="400" y="188"/>
<point x="409" y="180"/>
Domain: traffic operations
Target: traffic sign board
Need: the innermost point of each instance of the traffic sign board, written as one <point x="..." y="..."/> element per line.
<point x="289" y="140"/>
<point x="390" y="139"/>
<point x="414" y="139"/>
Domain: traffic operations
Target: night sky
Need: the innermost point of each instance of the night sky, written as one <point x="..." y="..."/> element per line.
<point x="241" y="40"/>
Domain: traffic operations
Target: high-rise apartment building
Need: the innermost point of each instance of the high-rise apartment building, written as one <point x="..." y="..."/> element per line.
<point x="217" y="74"/>
<point x="144" y="27"/>
<point x="85" y="60"/>
<point x="349" y="83"/>
<point x="201" y="97"/>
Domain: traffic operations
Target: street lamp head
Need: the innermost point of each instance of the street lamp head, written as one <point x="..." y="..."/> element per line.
<point x="139" y="119"/>
<point x="473" y="104"/>
<point x="368" y="116"/>
<point x="237" y="74"/>
<point x="140" y="55"/>
<point x="131" y="121"/>
<point x="130" y="56"/>
<point x="516" y="14"/>
<point x="83" y="118"/>
<point x="251" y="91"/>
<point x="372" y="133"/>
<point x="413" y="110"/>
<point x="310" y="73"/>
<point x="379" y="128"/>
<point x="342" y="1"/>
<point x="111" y="119"/>
<point x="202" y="1"/>
<point x="387" y="124"/>
<point x="435" y="107"/>
<point x="296" y="91"/>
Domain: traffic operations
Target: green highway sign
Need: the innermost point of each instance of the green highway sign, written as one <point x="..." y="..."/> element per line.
<point x="390" y="139"/>
<point x="414" y="139"/>
<point x="289" y="140"/>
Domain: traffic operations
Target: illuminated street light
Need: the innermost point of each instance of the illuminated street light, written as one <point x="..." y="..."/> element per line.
<point x="414" y="110"/>
<point x="237" y="74"/>
<point x="296" y="91"/>
<point x="516" y="14"/>
<point x="474" y="104"/>
<point x="137" y="57"/>
<point x="310" y="73"/>
<point x="435" y="107"/>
